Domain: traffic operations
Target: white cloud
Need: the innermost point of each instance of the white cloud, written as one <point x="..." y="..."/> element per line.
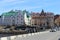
<point x="28" y="7"/>
<point x="7" y="1"/>
<point x="11" y="2"/>
<point x="24" y="4"/>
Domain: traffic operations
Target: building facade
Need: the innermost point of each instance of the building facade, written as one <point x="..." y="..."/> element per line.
<point x="57" y="20"/>
<point x="43" y="19"/>
<point x="27" y="17"/>
<point x="11" y="18"/>
<point x="0" y="20"/>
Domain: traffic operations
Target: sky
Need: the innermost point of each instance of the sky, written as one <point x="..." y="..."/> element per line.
<point x="30" y="5"/>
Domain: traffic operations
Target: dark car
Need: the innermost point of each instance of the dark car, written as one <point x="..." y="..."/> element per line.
<point x="59" y="39"/>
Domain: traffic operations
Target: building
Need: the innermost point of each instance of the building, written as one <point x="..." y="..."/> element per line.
<point x="43" y="19"/>
<point x="27" y="17"/>
<point x="16" y="18"/>
<point x="57" y="20"/>
<point x="0" y="20"/>
<point x="13" y="18"/>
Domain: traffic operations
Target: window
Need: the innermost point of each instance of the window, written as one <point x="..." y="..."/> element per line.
<point x="44" y="24"/>
<point x="21" y="18"/>
<point x="35" y="24"/>
<point x="21" y="22"/>
<point x="40" y="24"/>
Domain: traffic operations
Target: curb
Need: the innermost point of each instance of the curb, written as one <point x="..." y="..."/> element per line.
<point x="21" y="36"/>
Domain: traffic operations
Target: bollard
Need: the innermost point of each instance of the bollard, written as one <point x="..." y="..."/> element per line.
<point x="38" y="33"/>
<point x="29" y="34"/>
<point x="4" y="38"/>
<point x="24" y="35"/>
<point x="35" y="33"/>
<point x="12" y="37"/>
<point x="20" y="35"/>
<point x="32" y="33"/>
<point x="8" y="38"/>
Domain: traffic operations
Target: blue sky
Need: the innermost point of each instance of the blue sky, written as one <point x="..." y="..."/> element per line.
<point x="30" y="5"/>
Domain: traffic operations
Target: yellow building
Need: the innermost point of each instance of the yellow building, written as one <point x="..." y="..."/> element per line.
<point x="57" y="21"/>
<point x="43" y="19"/>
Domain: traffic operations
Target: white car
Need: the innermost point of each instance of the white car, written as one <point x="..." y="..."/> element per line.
<point x="53" y="30"/>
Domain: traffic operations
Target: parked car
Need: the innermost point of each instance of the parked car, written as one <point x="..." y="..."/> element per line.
<point x="53" y="30"/>
<point x="59" y="39"/>
<point x="58" y="28"/>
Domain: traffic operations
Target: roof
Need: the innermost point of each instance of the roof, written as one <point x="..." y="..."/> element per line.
<point x="56" y="16"/>
<point x="10" y="13"/>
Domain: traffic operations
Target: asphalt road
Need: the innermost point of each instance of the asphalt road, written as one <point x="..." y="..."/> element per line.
<point x="44" y="36"/>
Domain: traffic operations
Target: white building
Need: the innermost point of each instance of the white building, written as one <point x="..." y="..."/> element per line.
<point x="27" y="19"/>
<point x="13" y="18"/>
